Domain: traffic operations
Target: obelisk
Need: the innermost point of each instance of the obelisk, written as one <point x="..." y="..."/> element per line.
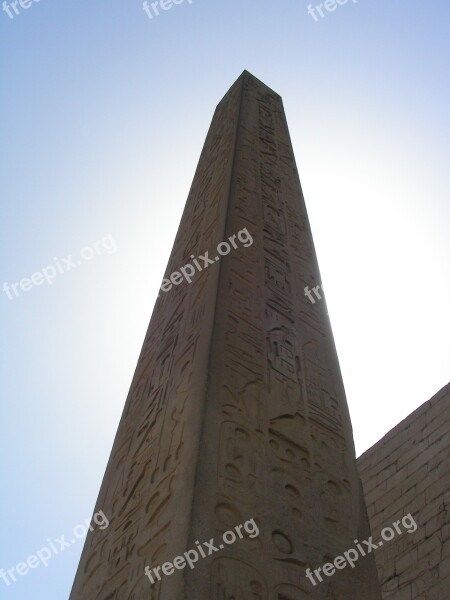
<point x="237" y="409"/>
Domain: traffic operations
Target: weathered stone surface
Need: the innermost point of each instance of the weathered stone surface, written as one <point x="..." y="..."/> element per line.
<point x="413" y="566"/>
<point x="237" y="408"/>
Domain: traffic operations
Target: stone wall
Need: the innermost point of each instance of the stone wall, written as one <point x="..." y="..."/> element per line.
<point x="408" y="471"/>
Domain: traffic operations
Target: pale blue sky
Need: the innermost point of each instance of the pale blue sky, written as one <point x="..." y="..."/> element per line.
<point x="104" y="116"/>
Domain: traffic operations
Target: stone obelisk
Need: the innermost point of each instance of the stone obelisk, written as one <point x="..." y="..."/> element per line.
<point x="237" y="409"/>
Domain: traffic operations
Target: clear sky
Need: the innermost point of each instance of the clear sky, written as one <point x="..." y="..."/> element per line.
<point x="104" y="114"/>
